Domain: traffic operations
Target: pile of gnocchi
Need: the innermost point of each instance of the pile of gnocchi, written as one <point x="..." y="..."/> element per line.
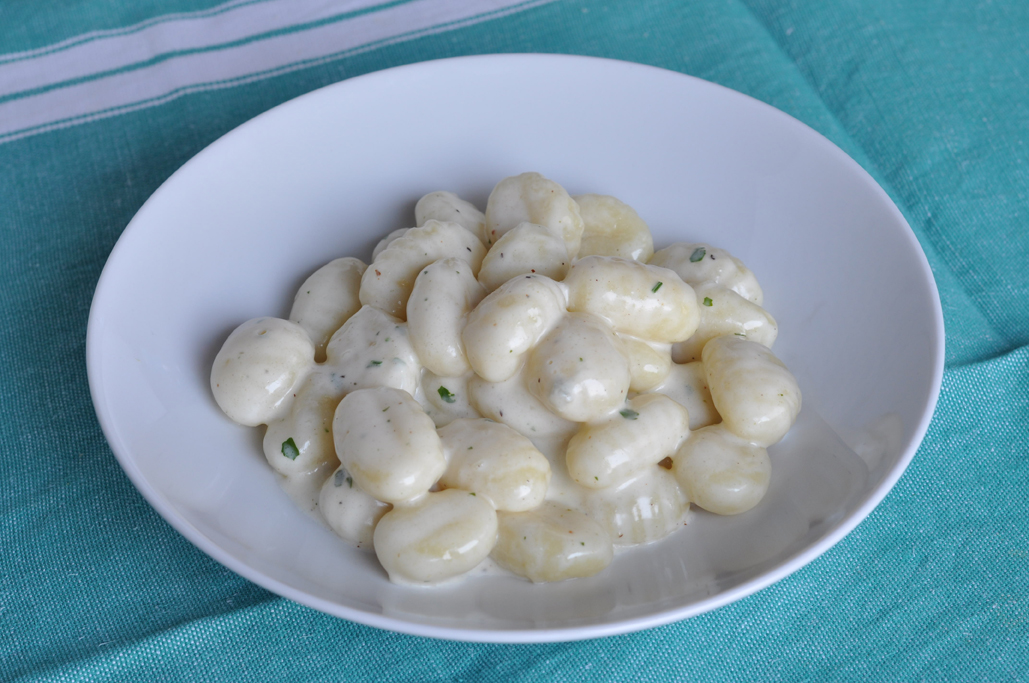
<point x="532" y="384"/>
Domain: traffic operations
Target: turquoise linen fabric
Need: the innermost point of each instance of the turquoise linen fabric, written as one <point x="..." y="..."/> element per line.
<point x="930" y="97"/>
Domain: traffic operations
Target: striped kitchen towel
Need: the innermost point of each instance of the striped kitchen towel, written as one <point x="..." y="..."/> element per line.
<point x="102" y="100"/>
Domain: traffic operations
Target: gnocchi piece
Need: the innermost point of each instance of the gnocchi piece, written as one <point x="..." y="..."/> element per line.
<point x="510" y="403"/>
<point x="643" y="509"/>
<point x="257" y="368"/>
<point x="530" y="197"/>
<point x="649" y="364"/>
<point x="509" y="322"/>
<point x="724" y="312"/>
<point x="613" y="228"/>
<point x="446" y="399"/>
<point x="753" y="390"/>
<point x="448" y="207"/>
<point x="699" y="263"/>
<point x="636" y="299"/>
<point x="551" y="543"/>
<point x="389" y="279"/>
<point x="721" y="472"/>
<point x="645" y="432"/>
<point x="387" y="443"/>
<point x="348" y="510"/>
<point x="686" y="384"/>
<point x="326" y="300"/>
<point x="373" y="349"/>
<point x="526" y="248"/>
<point x="388" y="240"/>
<point x="578" y="370"/>
<point x="495" y="462"/>
<point x="440" y="536"/>
<point x="443" y="295"/>
<point x="301" y="442"/>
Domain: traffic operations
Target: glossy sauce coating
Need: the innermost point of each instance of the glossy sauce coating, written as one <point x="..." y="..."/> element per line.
<point x="518" y="383"/>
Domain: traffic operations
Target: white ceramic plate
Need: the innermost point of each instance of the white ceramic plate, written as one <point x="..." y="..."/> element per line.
<point x="234" y="232"/>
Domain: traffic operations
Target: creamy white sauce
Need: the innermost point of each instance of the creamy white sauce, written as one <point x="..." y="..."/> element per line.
<point x="460" y="418"/>
<point x="303" y="490"/>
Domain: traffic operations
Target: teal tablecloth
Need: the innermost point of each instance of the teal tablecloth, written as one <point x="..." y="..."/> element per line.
<point x="101" y="100"/>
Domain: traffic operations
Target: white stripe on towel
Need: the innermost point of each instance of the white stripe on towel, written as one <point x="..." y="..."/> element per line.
<point x="227" y="65"/>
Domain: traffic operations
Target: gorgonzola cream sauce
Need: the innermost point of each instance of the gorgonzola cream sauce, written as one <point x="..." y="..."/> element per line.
<point x="530" y="387"/>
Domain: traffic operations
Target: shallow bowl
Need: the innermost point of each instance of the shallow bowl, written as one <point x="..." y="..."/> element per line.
<point x="233" y="233"/>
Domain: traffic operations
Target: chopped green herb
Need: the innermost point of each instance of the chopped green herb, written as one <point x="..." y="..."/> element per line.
<point x="739" y="334"/>
<point x="387" y="339"/>
<point x="628" y="414"/>
<point x="708" y="302"/>
<point x="470" y="447"/>
<point x="582" y="542"/>
<point x="473" y="493"/>
<point x="289" y="448"/>
<point x="350" y="481"/>
<point x="656" y="287"/>
<point x="385" y="409"/>
<point x="580" y="359"/>
<point x="697" y="254"/>
<point x="326" y="431"/>
<point x="445" y="394"/>
<point x="337" y="479"/>
<point x="597" y="478"/>
<point x="375" y="363"/>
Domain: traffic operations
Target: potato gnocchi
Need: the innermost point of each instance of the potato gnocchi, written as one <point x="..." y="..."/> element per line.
<point x="531" y="383"/>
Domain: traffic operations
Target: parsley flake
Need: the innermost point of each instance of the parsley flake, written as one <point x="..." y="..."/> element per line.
<point x="656" y="287"/>
<point x="708" y="302"/>
<point x="445" y="394"/>
<point x="350" y="481"/>
<point x="628" y="414"/>
<point x="289" y="448"/>
<point x="697" y="254"/>
<point x="375" y="364"/>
